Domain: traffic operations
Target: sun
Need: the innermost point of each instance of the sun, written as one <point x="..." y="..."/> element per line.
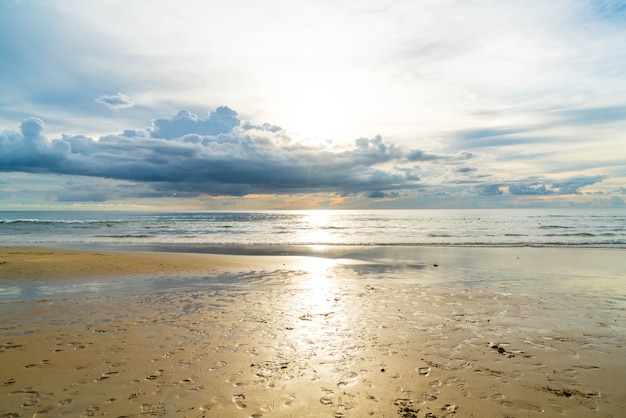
<point x="321" y="109"/>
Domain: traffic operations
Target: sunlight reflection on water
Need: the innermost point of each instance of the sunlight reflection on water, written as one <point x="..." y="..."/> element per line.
<point x="315" y="226"/>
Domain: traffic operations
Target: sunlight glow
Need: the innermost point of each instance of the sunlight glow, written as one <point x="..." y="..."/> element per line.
<point x="318" y="270"/>
<point x="317" y="302"/>
<point x="316" y="233"/>
<point x="319" y="218"/>
<point x="321" y="109"/>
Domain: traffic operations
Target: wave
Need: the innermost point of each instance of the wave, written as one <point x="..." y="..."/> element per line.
<point x="243" y="228"/>
<point x="126" y="236"/>
<point x="577" y="234"/>
<point x="39" y="221"/>
<point x="35" y="221"/>
<point x="555" y="227"/>
<point x="619" y="244"/>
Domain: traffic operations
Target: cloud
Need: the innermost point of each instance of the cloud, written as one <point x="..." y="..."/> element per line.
<point x="530" y="189"/>
<point x="538" y="188"/>
<point x="268" y="127"/>
<point x="383" y="195"/>
<point x="32" y="129"/>
<point x="220" y="121"/>
<point x="592" y="116"/>
<point x="219" y="155"/>
<point x="115" y="101"/>
<point x="420" y="155"/>
<point x="548" y="126"/>
<point x="574" y="184"/>
<point x="82" y="197"/>
<point x="493" y="189"/>
<point x="479" y="134"/>
<point x="490" y="137"/>
<point x="28" y="148"/>
<point x="190" y="156"/>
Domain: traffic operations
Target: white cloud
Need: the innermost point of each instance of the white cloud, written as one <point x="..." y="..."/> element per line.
<point x="115" y="101"/>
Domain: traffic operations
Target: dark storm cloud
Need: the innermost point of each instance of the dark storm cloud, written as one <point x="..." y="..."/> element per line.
<point x="188" y="155"/>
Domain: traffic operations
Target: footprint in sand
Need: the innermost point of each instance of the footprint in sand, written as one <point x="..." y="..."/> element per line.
<point x="290" y="400"/>
<point x="239" y="401"/>
<point x="450" y="408"/>
<point x="348" y="380"/>
<point x="429" y="397"/>
<point x="522" y="405"/>
<point x="105" y="376"/>
<point x="217" y="366"/>
<point x="423" y="371"/>
<point x="435" y="383"/>
<point x="328" y="398"/>
<point x="156" y="375"/>
<point x="146" y="408"/>
<point x="31" y="397"/>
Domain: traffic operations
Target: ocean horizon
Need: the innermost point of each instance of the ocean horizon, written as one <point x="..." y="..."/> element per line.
<point x="406" y="227"/>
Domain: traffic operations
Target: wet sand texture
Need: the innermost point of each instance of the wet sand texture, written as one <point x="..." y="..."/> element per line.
<point x="331" y="347"/>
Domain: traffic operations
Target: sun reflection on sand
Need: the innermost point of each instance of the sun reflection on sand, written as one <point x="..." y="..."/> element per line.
<point x="318" y="280"/>
<point x="316" y="304"/>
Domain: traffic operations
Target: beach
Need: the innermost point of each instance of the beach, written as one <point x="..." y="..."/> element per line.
<point x="387" y="332"/>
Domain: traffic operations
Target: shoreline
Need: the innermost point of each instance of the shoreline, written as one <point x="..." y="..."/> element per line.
<point x="367" y="332"/>
<point x="183" y="258"/>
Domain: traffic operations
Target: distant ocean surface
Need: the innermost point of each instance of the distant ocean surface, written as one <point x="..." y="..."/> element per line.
<point x="483" y="228"/>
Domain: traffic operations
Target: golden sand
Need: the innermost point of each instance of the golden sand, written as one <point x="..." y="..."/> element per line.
<point x="326" y="347"/>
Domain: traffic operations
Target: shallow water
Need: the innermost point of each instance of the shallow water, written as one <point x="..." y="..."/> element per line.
<point x="596" y="273"/>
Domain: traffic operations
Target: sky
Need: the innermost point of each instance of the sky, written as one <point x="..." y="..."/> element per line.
<point x="311" y="104"/>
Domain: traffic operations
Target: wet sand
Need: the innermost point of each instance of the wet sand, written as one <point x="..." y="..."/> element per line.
<point x="503" y="335"/>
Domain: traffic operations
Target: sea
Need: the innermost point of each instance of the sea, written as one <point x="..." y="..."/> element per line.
<point x="506" y="249"/>
<point x="603" y="228"/>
